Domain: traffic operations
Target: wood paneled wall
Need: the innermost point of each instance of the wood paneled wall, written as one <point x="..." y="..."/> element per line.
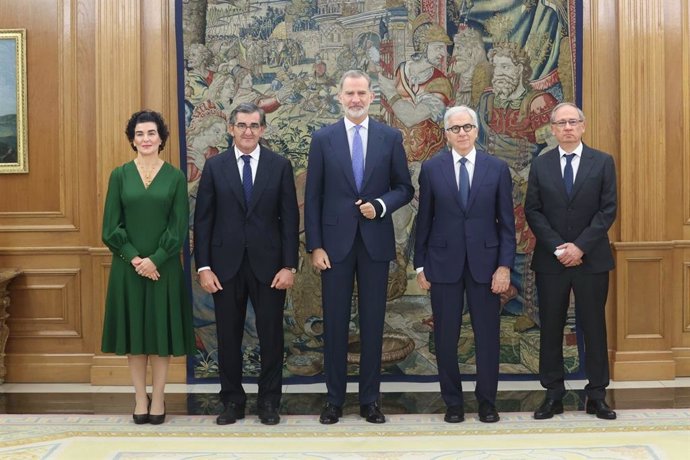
<point x="91" y="63"/>
<point x="637" y="97"/>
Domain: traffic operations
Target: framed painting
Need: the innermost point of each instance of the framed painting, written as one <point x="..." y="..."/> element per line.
<point x="13" y="125"/>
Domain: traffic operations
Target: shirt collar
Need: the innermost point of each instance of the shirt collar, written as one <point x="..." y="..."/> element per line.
<point x="349" y="124"/>
<point x="577" y="151"/>
<point x="254" y="154"/>
<point x="471" y="157"/>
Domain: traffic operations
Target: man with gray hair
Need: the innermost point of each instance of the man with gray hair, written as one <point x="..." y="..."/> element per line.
<point x="356" y="178"/>
<point x="570" y="205"/>
<point x="246" y="242"/>
<point x="465" y="246"/>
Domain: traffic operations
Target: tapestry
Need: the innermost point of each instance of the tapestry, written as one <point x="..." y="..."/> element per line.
<point x="510" y="60"/>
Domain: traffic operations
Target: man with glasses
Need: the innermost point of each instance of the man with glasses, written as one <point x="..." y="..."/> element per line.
<point x="465" y="246"/>
<point x="246" y="242"/>
<point x="570" y="206"/>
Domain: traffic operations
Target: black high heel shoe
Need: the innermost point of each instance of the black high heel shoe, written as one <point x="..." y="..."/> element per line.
<point x="157" y="419"/>
<point x="140" y="419"/>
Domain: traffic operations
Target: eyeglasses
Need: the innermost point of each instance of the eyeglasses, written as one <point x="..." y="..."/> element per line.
<point x="562" y="123"/>
<point x="243" y="126"/>
<point x="456" y="128"/>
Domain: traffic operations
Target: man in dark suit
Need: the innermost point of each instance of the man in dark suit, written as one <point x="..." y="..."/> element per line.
<point x="465" y="245"/>
<point x="246" y="241"/>
<point x="356" y="178"/>
<point x="570" y="206"/>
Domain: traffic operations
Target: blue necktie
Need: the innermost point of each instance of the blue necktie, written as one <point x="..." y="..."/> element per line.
<point x="568" y="174"/>
<point x="464" y="187"/>
<point x="357" y="158"/>
<point x="247" y="179"/>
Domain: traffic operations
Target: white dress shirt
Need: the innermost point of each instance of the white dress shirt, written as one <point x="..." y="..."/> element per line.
<point x="469" y="164"/>
<point x="253" y="163"/>
<point x="575" y="162"/>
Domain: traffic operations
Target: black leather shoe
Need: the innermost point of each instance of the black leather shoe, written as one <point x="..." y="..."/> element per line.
<point x="157" y="419"/>
<point x="454" y="414"/>
<point x="487" y="413"/>
<point x="372" y="413"/>
<point x="140" y="419"/>
<point x="548" y="409"/>
<point x="330" y="414"/>
<point x="232" y="413"/>
<point x="268" y="413"/>
<point x="600" y="408"/>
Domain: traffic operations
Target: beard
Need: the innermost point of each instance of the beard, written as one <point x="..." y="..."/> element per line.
<point x="504" y="86"/>
<point x="356" y="112"/>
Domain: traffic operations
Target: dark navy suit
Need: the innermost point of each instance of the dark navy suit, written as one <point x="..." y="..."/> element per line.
<point x="246" y="246"/>
<point x="460" y="250"/>
<point x="356" y="246"/>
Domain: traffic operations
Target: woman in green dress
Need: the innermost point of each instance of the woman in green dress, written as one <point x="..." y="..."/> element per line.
<point x="148" y="314"/>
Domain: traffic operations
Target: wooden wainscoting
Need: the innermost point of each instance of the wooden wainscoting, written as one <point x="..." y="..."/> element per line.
<point x="652" y="292"/>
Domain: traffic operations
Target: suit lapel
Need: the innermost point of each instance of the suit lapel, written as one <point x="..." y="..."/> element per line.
<point x="263" y="173"/>
<point x="583" y="170"/>
<point x="448" y="172"/>
<point x="232" y="175"/>
<point x="341" y="148"/>
<point x="374" y="139"/>
<point x="553" y="165"/>
<point x="481" y="167"/>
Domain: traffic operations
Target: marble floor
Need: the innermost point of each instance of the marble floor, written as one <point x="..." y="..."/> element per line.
<point x="397" y="398"/>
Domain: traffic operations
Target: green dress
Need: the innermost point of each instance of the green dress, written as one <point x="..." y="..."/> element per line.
<point x="143" y="316"/>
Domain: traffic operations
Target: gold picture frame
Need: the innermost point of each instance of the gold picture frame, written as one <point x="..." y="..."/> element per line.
<point x="13" y="122"/>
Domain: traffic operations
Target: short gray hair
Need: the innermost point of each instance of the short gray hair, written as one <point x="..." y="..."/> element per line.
<point x="580" y="113"/>
<point x="460" y="109"/>
<point x="354" y="73"/>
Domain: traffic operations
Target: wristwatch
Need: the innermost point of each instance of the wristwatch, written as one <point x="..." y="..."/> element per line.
<point x="292" y="270"/>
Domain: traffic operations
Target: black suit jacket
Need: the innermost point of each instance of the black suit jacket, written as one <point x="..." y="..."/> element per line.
<point x="224" y="227"/>
<point x="583" y="219"/>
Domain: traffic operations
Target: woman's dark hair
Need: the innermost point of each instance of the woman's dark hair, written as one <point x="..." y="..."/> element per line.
<point x="146" y="116"/>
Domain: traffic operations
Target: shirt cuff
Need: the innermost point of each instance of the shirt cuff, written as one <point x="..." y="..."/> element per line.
<point x="419" y="270"/>
<point x="201" y="269"/>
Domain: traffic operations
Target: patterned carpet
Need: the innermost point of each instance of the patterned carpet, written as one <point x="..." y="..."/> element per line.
<point x="637" y="434"/>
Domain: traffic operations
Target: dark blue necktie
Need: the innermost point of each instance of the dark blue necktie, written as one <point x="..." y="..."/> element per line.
<point x="247" y="179"/>
<point x="357" y="158"/>
<point x="464" y="186"/>
<point x="568" y="174"/>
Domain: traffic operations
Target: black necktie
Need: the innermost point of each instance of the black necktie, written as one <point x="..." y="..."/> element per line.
<point x="568" y="174"/>
<point x="247" y="179"/>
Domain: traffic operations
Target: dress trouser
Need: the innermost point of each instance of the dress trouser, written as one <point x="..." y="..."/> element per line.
<point x="447" y="301"/>
<point x="590" y="291"/>
<point x="337" y="287"/>
<point x="231" y="308"/>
